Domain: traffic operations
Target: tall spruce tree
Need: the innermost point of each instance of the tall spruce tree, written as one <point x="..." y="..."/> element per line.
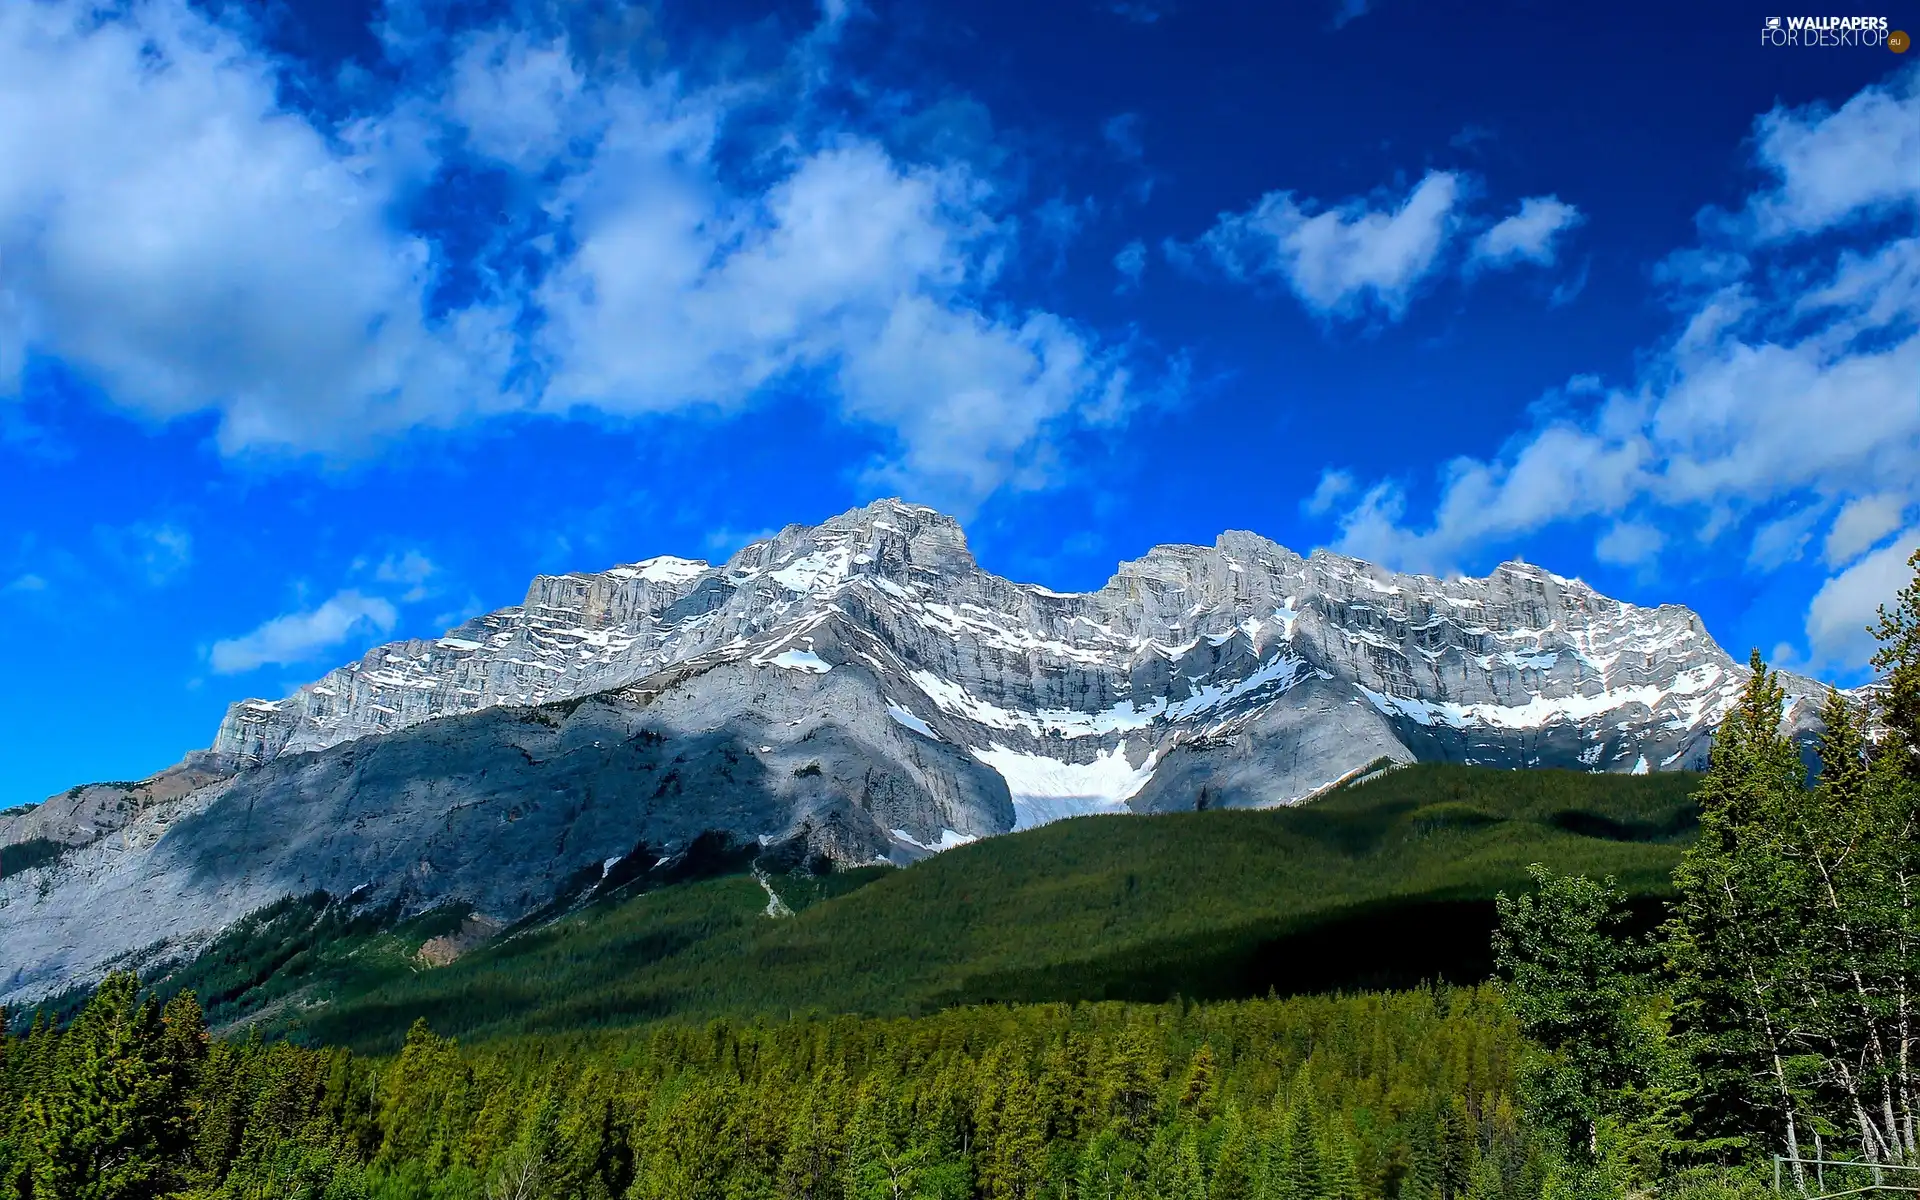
<point x="100" y="1129"/>
<point x="1730" y="943"/>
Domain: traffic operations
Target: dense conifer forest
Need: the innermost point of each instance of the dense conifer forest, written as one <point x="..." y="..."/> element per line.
<point x="1768" y="1016"/>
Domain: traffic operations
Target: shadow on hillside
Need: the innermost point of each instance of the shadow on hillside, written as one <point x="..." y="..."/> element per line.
<point x="1375" y="947"/>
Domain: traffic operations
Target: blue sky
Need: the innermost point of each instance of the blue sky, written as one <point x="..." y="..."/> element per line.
<point x="323" y="324"/>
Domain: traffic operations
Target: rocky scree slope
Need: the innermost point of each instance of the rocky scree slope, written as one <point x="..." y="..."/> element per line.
<point x="859" y="689"/>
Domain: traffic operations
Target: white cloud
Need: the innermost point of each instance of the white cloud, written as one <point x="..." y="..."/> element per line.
<point x="172" y="230"/>
<point x="1131" y="262"/>
<point x="1528" y="235"/>
<point x="1629" y="543"/>
<point x="677" y="295"/>
<point x="27" y="583"/>
<point x="1334" y="486"/>
<point x="166" y="226"/>
<point x="1829" y="167"/>
<point x="1346" y="259"/>
<point x="1780" y="389"/>
<point x="1861" y="525"/>
<point x="1563" y="470"/>
<point x="412" y="568"/>
<point x="518" y="100"/>
<point x="1848" y="603"/>
<point x="1784" y="539"/>
<point x="969" y="399"/>
<point x="853" y="264"/>
<point x="297" y="637"/>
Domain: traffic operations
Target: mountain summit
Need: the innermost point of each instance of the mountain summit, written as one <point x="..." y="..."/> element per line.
<point x="860" y="689"/>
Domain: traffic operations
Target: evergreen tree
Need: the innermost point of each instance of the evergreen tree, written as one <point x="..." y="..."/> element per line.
<point x="99" y="1129"/>
<point x="1792" y="942"/>
<point x="1196" y="1095"/>
<point x="959" y="1105"/>
<point x="690" y="1146"/>
<point x="1066" y="1094"/>
<point x="1131" y="1084"/>
<point x="812" y="1163"/>
<point x="1012" y="1135"/>
<point x="1339" y="1173"/>
<point x="1898" y="658"/>
<point x="1737" y="977"/>
<point x="1484" y="1183"/>
<point x="1173" y="1167"/>
<point x="1232" y="1177"/>
<point x="1302" y="1177"/>
<point x="1423" y="1178"/>
<point x="1101" y="1171"/>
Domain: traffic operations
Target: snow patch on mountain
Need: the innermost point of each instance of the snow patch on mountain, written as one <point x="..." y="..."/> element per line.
<point x="902" y="717"/>
<point x="1049" y="789"/>
<point x="664" y="569"/>
<point x="948" y="840"/>
<point x="801" y="660"/>
<point x="1536" y="713"/>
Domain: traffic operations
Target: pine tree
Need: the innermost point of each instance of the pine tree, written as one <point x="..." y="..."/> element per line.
<point x="179" y="1055"/>
<point x="1101" y="1172"/>
<point x="1232" y="1177"/>
<point x="1131" y="1083"/>
<point x="1065" y="1088"/>
<point x="1459" y="1149"/>
<point x="1792" y="941"/>
<point x="1423" y="1178"/>
<point x="99" y="1130"/>
<point x="812" y="1164"/>
<point x="1274" y="1164"/>
<point x="1898" y="631"/>
<point x="1737" y="974"/>
<point x="691" y="1143"/>
<point x="1196" y="1095"/>
<point x="1339" y="1174"/>
<point x="1484" y="1183"/>
<point x="1303" y="1178"/>
<point x="1013" y="1136"/>
<point x="1173" y="1168"/>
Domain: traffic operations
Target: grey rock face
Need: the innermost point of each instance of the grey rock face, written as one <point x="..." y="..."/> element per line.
<point x="861" y="686"/>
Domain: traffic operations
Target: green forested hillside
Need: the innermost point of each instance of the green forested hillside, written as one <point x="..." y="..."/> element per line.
<point x="1407" y="1096"/>
<point x="1384" y="884"/>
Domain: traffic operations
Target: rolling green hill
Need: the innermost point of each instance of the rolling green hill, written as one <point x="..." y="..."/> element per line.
<point x="1378" y="885"/>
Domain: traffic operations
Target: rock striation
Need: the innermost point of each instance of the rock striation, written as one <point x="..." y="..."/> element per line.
<point x="860" y="689"/>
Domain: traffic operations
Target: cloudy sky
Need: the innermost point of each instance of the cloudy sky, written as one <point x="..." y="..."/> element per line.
<point x="323" y="323"/>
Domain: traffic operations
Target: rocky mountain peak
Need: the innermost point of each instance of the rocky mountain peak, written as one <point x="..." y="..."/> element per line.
<point x="888" y="538"/>
<point x="859" y="688"/>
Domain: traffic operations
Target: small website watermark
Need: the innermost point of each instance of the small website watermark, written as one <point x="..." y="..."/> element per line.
<point x="1870" y="32"/>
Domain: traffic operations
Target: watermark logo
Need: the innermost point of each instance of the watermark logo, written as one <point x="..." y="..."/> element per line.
<point x="1832" y="31"/>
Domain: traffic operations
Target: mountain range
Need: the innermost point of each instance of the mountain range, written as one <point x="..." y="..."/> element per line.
<point x="860" y="691"/>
